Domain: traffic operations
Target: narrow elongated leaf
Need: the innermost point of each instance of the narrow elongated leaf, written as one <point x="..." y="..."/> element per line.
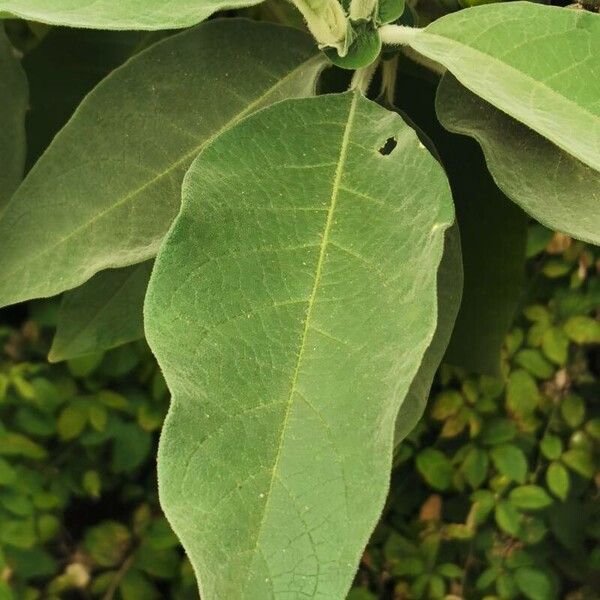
<point x="289" y="308"/>
<point x="13" y="104"/>
<point x="104" y="312"/>
<point x="548" y="183"/>
<point x="118" y="14"/>
<point x="539" y="64"/>
<point x="449" y="289"/>
<point x="106" y="190"/>
<point x="492" y="232"/>
<point x="63" y="68"/>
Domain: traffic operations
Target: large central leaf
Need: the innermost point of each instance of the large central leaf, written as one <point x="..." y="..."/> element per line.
<point x="539" y="64"/>
<point x="289" y="308"/>
<point x="106" y="190"/>
<point x="119" y="14"/>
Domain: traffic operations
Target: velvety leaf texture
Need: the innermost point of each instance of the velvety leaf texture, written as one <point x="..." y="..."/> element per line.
<point x="289" y="308"/>
<point x="63" y="68"/>
<point x="105" y="192"/>
<point x="13" y="104"/>
<point x="104" y="312"/>
<point x="119" y="14"/>
<point x="539" y="64"/>
<point x="548" y="183"/>
<point x="449" y="289"/>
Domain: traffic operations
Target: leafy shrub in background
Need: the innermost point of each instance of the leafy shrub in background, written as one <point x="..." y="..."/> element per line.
<point x="301" y="246"/>
<point x="493" y="495"/>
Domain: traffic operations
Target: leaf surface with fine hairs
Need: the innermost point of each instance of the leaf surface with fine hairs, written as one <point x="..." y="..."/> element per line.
<point x="539" y="64"/>
<point x="548" y="183"/>
<point x="105" y="192"/>
<point x="289" y="309"/>
<point x="118" y="14"/>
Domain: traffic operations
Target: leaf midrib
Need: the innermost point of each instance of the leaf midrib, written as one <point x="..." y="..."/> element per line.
<point x="310" y="305"/>
<point x="172" y="167"/>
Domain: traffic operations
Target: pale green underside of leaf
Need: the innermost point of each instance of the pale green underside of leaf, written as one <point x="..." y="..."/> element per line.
<point x="104" y="312"/>
<point x="289" y="308"/>
<point x="551" y="185"/>
<point x="13" y="104"/>
<point x="105" y="192"/>
<point x="539" y="64"/>
<point x="449" y="293"/>
<point x="118" y="14"/>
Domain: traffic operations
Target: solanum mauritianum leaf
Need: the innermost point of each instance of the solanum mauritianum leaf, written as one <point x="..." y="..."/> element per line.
<point x="492" y="232"/>
<point x="104" y="312"/>
<point x="118" y="14"/>
<point x="539" y="64"/>
<point x="289" y="309"/>
<point x="449" y="294"/>
<point x="13" y="104"/>
<point x="63" y="68"/>
<point x="105" y="192"/>
<point x="548" y="183"/>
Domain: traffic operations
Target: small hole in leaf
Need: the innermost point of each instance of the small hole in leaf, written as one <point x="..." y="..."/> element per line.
<point x="388" y="147"/>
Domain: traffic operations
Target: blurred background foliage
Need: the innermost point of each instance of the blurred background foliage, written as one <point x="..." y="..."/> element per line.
<point x="494" y="494"/>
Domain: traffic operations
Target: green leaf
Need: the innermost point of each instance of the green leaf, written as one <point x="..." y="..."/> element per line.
<point x="435" y="468"/>
<point x="524" y="59"/>
<point x="555" y="345"/>
<point x="557" y="479"/>
<point x="534" y="362"/>
<point x="551" y="446"/>
<point x="522" y="394"/>
<point x="475" y="466"/>
<point x="364" y="49"/>
<point x="530" y="497"/>
<point x="293" y="355"/>
<point x="106" y="190"/>
<point x="135" y="586"/>
<point x="497" y="431"/>
<point x="107" y="543"/>
<point x="63" y="68"/>
<point x="582" y="329"/>
<point x="104" y="312"/>
<point x="546" y="182"/>
<point x="572" y="409"/>
<point x="71" y="422"/>
<point x="580" y="461"/>
<point x="13" y="104"/>
<point x="534" y="584"/>
<point x="493" y="234"/>
<point x="119" y="14"/>
<point x="510" y="461"/>
<point x="449" y="286"/>
<point x="15" y="444"/>
<point x="508" y="518"/>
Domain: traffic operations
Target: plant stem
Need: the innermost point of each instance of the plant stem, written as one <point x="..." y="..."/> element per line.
<point x="398" y="35"/>
<point x="362" y="77"/>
